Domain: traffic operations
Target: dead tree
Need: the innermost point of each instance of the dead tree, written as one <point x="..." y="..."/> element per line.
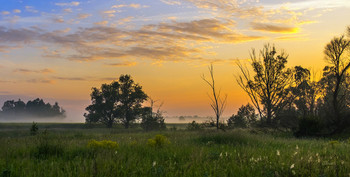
<point x="218" y="103"/>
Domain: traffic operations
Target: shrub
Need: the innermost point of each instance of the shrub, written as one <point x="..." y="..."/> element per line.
<point x="152" y="120"/>
<point x="104" y="144"/>
<point x="194" y="126"/>
<point x="34" y="129"/>
<point x="309" y="126"/>
<point x="158" y="141"/>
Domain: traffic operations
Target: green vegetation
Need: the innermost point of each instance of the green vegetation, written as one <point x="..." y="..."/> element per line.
<point x="74" y="150"/>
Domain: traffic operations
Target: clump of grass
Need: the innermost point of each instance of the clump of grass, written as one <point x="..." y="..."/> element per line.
<point x="158" y="141"/>
<point x="46" y="148"/>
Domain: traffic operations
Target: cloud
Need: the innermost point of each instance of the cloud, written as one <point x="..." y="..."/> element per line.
<point x="125" y="20"/>
<point x="272" y="28"/>
<point x="68" y="10"/>
<point x="73" y="3"/>
<point x="31" y="9"/>
<point x="133" y="5"/>
<point x="5" y="12"/>
<point x="43" y="81"/>
<point x="171" y="2"/>
<point x="126" y="63"/>
<point x="83" y="16"/>
<point x="102" y="23"/>
<point x="70" y="78"/>
<point x="28" y="71"/>
<point x="244" y="8"/>
<point x="58" y="20"/>
<point x="109" y="11"/>
<point x="171" y="41"/>
<point x="16" y="11"/>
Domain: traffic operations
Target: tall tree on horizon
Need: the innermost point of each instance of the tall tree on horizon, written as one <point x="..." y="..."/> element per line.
<point x="267" y="89"/>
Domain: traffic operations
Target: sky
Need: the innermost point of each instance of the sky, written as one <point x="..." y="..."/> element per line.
<point x="58" y="50"/>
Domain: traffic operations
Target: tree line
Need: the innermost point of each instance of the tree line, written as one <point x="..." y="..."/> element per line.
<point x="33" y="108"/>
<point x="280" y="97"/>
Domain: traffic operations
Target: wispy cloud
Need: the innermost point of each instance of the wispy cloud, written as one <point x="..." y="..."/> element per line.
<point x="125" y="63"/>
<point x="274" y="28"/>
<point x="28" y="71"/>
<point x="43" y="81"/>
<point x="133" y="5"/>
<point x="73" y="3"/>
<point x="171" y="2"/>
<point x="83" y="16"/>
<point x="31" y="9"/>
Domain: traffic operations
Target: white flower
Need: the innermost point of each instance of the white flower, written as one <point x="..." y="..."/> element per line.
<point x="292" y="166"/>
<point x="154" y="163"/>
<point x="297" y="147"/>
<point x="278" y="153"/>
<point x="116" y="152"/>
<point x="220" y="154"/>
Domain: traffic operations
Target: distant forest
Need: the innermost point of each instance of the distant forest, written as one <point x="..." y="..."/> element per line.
<point x="33" y="108"/>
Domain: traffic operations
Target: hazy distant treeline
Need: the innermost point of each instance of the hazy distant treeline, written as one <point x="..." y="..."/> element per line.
<point x="33" y="108"/>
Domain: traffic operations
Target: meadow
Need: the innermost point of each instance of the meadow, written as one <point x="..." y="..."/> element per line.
<point x="77" y="150"/>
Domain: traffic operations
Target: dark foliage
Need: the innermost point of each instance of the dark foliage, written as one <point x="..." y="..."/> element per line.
<point x="152" y="120"/>
<point x="33" y="108"/>
<point x="245" y="117"/>
<point x="120" y="101"/>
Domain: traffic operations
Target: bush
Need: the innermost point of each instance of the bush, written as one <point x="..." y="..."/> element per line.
<point x="158" y="141"/>
<point x="194" y="126"/>
<point x="152" y="121"/>
<point x="34" y="129"/>
<point x="309" y="126"/>
<point x="245" y="117"/>
<point x="104" y="144"/>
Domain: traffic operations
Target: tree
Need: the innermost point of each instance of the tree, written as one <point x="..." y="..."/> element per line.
<point x="335" y="54"/>
<point x="267" y="90"/>
<point x="119" y="101"/>
<point x="152" y="120"/>
<point x="245" y="117"/>
<point x="37" y="108"/>
<point x="217" y="102"/>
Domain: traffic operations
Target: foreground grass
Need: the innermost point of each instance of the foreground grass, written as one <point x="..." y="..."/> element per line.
<point x="65" y="152"/>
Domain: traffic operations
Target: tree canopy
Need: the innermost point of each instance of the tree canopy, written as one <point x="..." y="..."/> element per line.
<point x="120" y="101"/>
<point x="33" y="108"/>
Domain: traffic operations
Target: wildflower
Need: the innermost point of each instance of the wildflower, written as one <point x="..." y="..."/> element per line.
<point x="116" y="152"/>
<point x="293" y="172"/>
<point x="297" y="147"/>
<point x="295" y="153"/>
<point x="226" y="154"/>
<point x="220" y="155"/>
<point x="278" y="153"/>
<point x="292" y="166"/>
<point x="154" y="163"/>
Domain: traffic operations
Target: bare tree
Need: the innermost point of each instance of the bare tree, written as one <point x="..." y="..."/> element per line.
<point x="218" y="103"/>
<point x="267" y="89"/>
<point x="340" y="63"/>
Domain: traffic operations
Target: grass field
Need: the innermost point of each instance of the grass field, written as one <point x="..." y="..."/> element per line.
<point x="67" y="150"/>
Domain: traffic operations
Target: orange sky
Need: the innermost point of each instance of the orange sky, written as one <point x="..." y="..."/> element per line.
<point x="58" y="50"/>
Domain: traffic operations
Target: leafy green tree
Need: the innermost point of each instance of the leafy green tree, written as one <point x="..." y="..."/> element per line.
<point x="245" y="117"/>
<point x="267" y="89"/>
<point x="119" y="101"/>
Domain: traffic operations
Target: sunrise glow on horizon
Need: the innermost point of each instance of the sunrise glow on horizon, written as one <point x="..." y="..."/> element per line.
<point x="58" y="49"/>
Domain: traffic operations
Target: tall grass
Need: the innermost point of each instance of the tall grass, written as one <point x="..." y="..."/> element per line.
<point x="66" y="152"/>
